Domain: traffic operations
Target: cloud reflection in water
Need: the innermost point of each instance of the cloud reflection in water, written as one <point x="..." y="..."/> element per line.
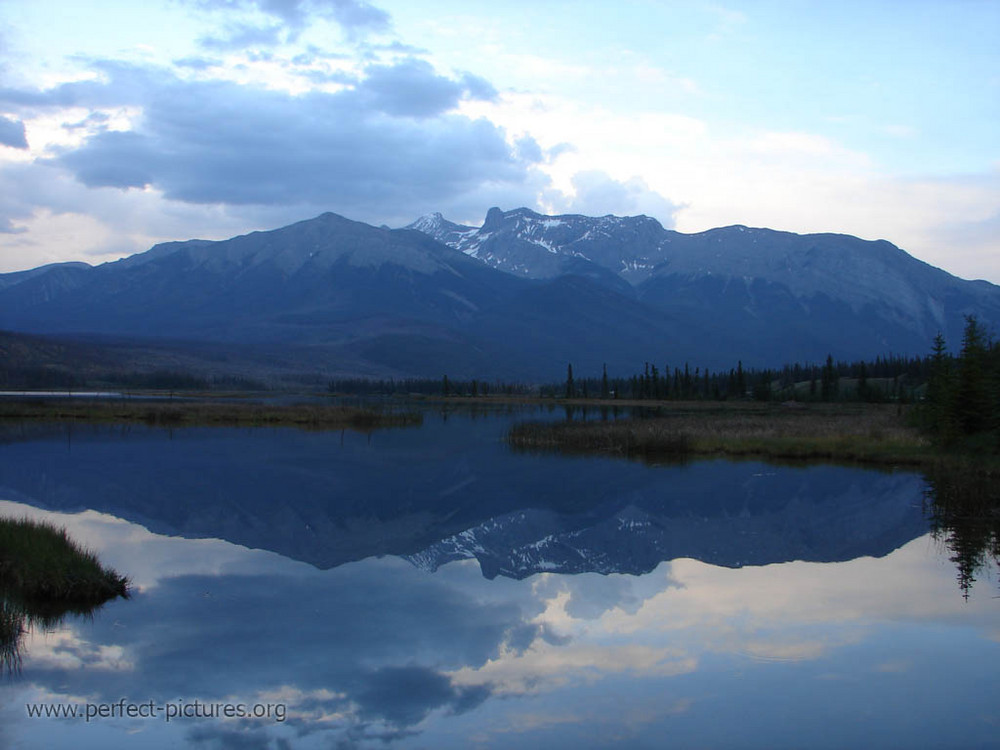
<point x="380" y="651"/>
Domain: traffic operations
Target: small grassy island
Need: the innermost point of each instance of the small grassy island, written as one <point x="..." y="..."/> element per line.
<point x="40" y="563"/>
<point x="45" y="576"/>
<point x="875" y="434"/>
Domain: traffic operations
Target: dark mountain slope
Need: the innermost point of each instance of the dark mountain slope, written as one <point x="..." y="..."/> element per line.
<point x="757" y="294"/>
<point x="328" y="281"/>
<point x="330" y="295"/>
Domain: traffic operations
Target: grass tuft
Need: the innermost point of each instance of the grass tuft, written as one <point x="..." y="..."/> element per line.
<point x="39" y="564"/>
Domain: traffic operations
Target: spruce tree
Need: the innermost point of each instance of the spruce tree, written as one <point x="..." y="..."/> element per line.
<point x="830" y="380"/>
<point x="972" y="399"/>
<point x="940" y="393"/>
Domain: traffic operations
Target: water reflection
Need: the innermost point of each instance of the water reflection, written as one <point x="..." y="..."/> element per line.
<point x="964" y="509"/>
<point x="380" y="652"/>
<point x="451" y="490"/>
<point x="20" y="617"/>
<point x="411" y="590"/>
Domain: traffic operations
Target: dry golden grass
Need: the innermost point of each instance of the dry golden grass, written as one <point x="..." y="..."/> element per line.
<point x="866" y="433"/>
<point x="202" y="413"/>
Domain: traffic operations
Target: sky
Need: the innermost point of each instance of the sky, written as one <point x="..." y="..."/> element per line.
<point x="124" y="124"/>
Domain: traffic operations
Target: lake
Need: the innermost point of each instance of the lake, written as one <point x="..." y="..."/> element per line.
<point x="427" y="587"/>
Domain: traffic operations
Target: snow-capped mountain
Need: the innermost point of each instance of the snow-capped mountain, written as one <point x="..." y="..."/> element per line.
<point x="534" y="246"/>
<point x="635" y="537"/>
<point x="786" y="292"/>
<point x="517" y="298"/>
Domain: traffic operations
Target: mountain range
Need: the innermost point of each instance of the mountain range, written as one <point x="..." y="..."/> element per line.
<point x="517" y="298"/>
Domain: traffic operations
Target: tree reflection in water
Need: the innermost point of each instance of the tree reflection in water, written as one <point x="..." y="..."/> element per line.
<point x="964" y="510"/>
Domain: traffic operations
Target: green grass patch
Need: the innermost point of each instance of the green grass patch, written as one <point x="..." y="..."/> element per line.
<point x="40" y="564"/>
<point x="45" y="576"/>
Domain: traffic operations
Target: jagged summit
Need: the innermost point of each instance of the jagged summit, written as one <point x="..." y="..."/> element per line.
<point x="536" y="246"/>
<point x="436" y="226"/>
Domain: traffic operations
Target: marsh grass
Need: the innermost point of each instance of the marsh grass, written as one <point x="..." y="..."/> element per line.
<point x="206" y="413"/>
<point x="862" y="433"/>
<point x="45" y="576"/>
<point x="40" y="564"/>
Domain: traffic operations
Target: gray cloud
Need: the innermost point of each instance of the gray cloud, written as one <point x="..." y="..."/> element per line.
<point x="353" y="14"/>
<point x="409" y="88"/>
<point x="197" y="63"/>
<point x="7" y="226"/>
<point x="241" y="36"/>
<point x="528" y="149"/>
<point x="479" y="88"/>
<point x="12" y="133"/>
<point x="388" y="141"/>
<point x="405" y="695"/>
<point x="356" y="17"/>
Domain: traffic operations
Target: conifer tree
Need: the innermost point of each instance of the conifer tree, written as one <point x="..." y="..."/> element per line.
<point x="972" y="398"/>
<point x="940" y="392"/>
<point x="830" y="380"/>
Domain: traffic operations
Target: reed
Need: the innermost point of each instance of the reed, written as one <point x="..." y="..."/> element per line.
<point x="40" y="564"/>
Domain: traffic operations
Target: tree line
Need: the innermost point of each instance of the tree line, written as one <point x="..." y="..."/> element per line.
<point x="889" y="378"/>
<point x="962" y="401"/>
<point x="443" y="386"/>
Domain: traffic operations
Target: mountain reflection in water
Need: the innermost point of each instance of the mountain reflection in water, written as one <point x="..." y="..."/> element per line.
<point x="268" y="567"/>
<point x="451" y="490"/>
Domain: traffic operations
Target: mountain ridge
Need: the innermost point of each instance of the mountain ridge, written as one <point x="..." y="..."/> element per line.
<point x="741" y="269"/>
<point x="518" y="297"/>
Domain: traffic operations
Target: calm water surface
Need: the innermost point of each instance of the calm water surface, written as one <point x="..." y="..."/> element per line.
<point x="428" y="588"/>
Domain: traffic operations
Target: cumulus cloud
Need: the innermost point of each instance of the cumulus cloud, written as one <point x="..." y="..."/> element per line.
<point x="409" y="88"/>
<point x="240" y="36"/>
<point x="200" y="151"/>
<point x="389" y="138"/>
<point x="287" y="18"/>
<point x="12" y="133"/>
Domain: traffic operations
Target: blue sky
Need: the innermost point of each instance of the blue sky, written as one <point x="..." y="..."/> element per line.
<point x="123" y="124"/>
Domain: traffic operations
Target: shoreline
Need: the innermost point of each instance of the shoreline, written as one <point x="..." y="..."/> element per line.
<point x="156" y="410"/>
<point x="872" y="435"/>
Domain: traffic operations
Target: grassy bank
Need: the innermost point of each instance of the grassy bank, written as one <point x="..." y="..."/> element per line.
<point x="45" y="576"/>
<point x="41" y="565"/>
<point x="232" y="413"/>
<point x="875" y="434"/>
